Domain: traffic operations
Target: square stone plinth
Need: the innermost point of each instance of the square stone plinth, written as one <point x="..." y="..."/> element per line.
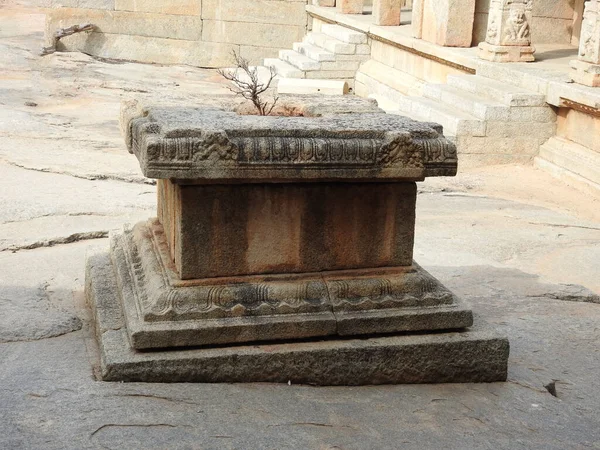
<point x="162" y="310"/>
<point x="506" y="53"/>
<point x="245" y="229"/>
<point x="476" y="355"/>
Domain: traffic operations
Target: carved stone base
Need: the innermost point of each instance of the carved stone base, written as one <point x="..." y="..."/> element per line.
<point x="585" y="73"/>
<point x="162" y="310"/>
<point x="506" y="53"/>
<point x="477" y="355"/>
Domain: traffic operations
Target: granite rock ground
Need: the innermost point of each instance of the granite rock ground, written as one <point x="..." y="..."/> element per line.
<point x="523" y="248"/>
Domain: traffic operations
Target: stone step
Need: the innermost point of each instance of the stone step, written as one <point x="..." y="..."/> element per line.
<point x="313" y="52"/>
<point x="299" y="61"/>
<point x="453" y="121"/>
<point x="393" y="78"/>
<point x="505" y="93"/>
<point x="344" y="34"/>
<point x="330" y="44"/>
<point x="570" y="161"/>
<point x="284" y="70"/>
<point x="472" y="104"/>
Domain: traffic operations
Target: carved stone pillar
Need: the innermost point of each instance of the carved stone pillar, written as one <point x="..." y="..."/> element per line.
<point x="508" y="36"/>
<point x="350" y="6"/>
<point x="387" y="12"/>
<point x="586" y="69"/>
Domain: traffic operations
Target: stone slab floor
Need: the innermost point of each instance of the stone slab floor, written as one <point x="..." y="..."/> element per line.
<point x="514" y="242"/>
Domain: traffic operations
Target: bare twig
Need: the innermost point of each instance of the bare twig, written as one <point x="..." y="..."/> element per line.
<point x="64" y="32"/>
<point x="250" y="89"/>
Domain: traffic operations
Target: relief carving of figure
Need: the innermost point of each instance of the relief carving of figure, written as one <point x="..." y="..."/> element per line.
<point x="517" y="27"/>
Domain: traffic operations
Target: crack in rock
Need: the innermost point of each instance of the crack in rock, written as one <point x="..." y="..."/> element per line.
<point x="570" y="293"/>
<point x="75" y="237"/>
<point x="101" y="177"/>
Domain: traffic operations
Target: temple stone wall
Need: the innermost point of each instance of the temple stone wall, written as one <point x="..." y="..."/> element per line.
<point x="554" y="21"/>
<point x="196" y="32"/>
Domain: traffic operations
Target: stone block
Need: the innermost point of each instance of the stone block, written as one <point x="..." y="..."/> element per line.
<point x="177" y="7"/>
<point x="585" y="73"/>
<point x="340" y="65"/>
<point x="477" y="355"/>
<point x="97" y="4"/>
<point x="448" y="22"/>
<point x="520" y="128"/>
<point x="363" y="49"/>
<point x="328" y="3"/>
<point x="150" y="49"/>
<point x="350" y="6"/>
<point x="344" y="34"/>
<point x="219" y="230"/>
<point x="127" y="23"/>
<point x="257" y="55"/>
<point x="254" y="34"/>
<point x="278" y="12"/>
<point x="331" y="74"/>
<point x="301" y="87"/>
<point x="387" y="12"/>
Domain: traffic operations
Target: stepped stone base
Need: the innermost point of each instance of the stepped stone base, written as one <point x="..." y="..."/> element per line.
<point x="585" y="73"/>
<point x="477" y="355"/>
<point x="506" y="53"/>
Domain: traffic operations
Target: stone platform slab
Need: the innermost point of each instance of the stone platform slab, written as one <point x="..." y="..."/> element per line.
<point x="477" y="355"/>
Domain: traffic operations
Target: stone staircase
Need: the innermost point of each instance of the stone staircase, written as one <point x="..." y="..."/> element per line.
<point x="571" y="162"/>
<point x="491" y="122"/>
<point x="333" y="53"/>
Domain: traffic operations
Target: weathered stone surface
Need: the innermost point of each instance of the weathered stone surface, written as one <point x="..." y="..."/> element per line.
<point x="282" y="12"/>
<point x="386" y="12"/>
<point x="244" y="229"/>
<point x="303" y="87"/>
<point x="28" y="314"/>
<point x="447" y="22"/>
<point x="350" y="6"/>
<point x="208" y="144"/>
<point x="164" y="311"/>
<point x="179" y="7"/>
<point x="180" y="27"/>
<point x="470" y="356"/>
<point x="251" y="33"/>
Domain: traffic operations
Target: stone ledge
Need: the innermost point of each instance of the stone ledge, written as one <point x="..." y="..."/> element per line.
<point x="477" y="355"/>
<point x="179" y="27"/>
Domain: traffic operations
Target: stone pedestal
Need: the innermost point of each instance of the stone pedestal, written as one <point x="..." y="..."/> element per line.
<point x="508" y="37"/>
<point x="387" y="12"/>
<point x="586" y="69"/>
<point x="283" y="251"/>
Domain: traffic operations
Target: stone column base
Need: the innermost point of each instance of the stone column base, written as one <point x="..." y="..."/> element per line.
<point x="506" y="53"/>
<point x="476" y="354"/>
<point x="585" y="73"/>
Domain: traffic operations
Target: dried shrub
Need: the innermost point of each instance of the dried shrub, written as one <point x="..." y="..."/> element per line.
<point x="247" y="84"/>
